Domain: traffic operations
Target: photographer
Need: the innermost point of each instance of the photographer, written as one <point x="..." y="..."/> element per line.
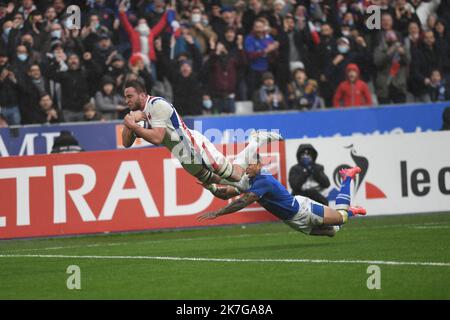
<point x="269" y="96"/>
<point x="392" y="60"/>
<point x="307" y="178"/>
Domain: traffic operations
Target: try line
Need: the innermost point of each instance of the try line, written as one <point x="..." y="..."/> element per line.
<point x="196" y="259"/>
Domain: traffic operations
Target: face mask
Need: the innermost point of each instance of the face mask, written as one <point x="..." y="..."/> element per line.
<point x="143" y="29"/>
<point x="7" y="31"/>
<point x="306" y="160"/>
<point x="205" y="22"/>
<point x="22" y="56"/>
<point x="346" y="33"/>
<point x="196" y="18"/>
<point x="56" y="34"/>
<point x="207" y="104"/>
<point x="343" y="49"/>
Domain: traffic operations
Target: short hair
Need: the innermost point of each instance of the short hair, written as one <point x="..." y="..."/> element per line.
<point x="89" y="107"/>
<point x="137" y="85"/>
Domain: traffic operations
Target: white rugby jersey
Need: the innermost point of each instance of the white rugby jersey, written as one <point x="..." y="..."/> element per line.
<point x="192" y="148"/>
<point x="161" y="114"/>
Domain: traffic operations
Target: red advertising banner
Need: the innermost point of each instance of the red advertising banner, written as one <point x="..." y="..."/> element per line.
<point x="110" y="191"/>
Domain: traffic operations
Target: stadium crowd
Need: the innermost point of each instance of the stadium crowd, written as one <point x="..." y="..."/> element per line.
<point x="206" y="55"/>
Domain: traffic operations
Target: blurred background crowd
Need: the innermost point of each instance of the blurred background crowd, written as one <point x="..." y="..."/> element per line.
<point x="205" y="56"/>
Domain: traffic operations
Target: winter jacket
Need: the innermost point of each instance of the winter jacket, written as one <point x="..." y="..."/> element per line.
<point x="352" y="94"/>
<point x="223" y="72"/>
<point x="424" y="60"/>
<point x="308" y="181"/>
<point x="392" y="68"/>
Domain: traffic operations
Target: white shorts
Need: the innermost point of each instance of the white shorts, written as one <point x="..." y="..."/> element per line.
<point x="309" y="216"/>
<point x="199" y="154"/>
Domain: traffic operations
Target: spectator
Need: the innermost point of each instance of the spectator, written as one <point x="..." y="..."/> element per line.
<point x="269" y="96"/>
<point x="103" y="51"/>
<point x="9" y="97"/>
<point x="49" y="113"/>
<point x="74" y="85"/>
<point x="425" y="59"/>
<point x="446" y="119"/>
<point x="254" y="11"/>
<point x="321" y="57"/>
<point x="259" y="47"/>
<point x="92" y="32"/>
<point x="185" y="41"/>
<point x="336" y="72"/>
<point x="307" y="178"/>
<point x="32" y="88"/>
<point x="27" y="8"/>
<point x="404" y="15"/>
<point x="352" y="92"/>
<point x="66" y="143"/>
<point x="108" y="101"/>
<point x="186" y="84"/>
<point x="392" y="61"/>
<point x="90" y="113"/>
<point x="303" y="93"/>
<point x="141" y="70"/>
<point x="200" y="30"/>
<point x="116" y="69"/>
<point x="439" y="89"/>
<point x="21" y="61"/>
<point x="443" y="43"/>
<point x="413" y="39"/>
<point x="289" y="40"/>
<point x="224" y="65"/>
<point x="142" y="37"/>
<point x="106" y="15"/>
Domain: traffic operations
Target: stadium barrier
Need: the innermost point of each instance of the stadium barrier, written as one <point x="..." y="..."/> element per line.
<point x="408" y="173"/>
<point x="145" y="189"/>
<point x="110" y="191"/>
<point x="31" y="140"/>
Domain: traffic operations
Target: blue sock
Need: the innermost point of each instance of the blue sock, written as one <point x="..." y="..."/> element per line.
<point x="350" y="213"/>
<point x="343" y="198"/>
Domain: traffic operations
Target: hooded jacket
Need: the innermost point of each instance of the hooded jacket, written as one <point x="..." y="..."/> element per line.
<point x="350" y="94"/>
<point x="308" y="181"/>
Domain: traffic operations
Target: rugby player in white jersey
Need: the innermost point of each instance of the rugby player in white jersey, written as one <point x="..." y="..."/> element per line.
<point x="163" y="126"/>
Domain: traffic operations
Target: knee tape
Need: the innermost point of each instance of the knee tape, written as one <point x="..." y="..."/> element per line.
<point x="226" y="170"/>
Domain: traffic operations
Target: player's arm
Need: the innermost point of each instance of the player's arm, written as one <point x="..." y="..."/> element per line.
<point x="128" y="137"/>
<point x="153" y="135"/>
<point x="224" y="193"/>
<point x="239" y="204"/>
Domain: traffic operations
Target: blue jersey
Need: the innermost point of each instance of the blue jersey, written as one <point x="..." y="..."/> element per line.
<point x="273" y="196"/>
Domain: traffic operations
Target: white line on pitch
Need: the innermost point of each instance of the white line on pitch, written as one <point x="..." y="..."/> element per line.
<point x="195" y="259"/>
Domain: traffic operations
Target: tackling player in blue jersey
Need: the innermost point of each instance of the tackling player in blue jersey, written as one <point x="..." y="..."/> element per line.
<point x="300" y="213"/>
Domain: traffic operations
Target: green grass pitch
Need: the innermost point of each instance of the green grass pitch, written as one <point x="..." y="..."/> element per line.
<point x="263" y="261"/>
